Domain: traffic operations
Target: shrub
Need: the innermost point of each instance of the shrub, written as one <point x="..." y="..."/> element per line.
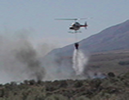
<point x="82" y="98"/>
<point x="123" y="62"/>
<point x="56" y="97"/>
<point x="78" y="84"/>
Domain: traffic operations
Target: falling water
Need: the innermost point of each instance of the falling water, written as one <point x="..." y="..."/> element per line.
<point x="79" y="61"/>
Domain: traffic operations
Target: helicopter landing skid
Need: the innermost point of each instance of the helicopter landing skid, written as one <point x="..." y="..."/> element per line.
<point x="75" y="32"/>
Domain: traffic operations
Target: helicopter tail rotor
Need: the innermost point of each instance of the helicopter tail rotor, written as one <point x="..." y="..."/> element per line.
<point x="85" y="25"/>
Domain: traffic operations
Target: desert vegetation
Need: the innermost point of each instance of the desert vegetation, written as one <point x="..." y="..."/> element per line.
<point x="110" y="88"/>
<point x="115" y="86"/>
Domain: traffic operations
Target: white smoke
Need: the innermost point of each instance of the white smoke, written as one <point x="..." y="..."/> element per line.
<point x="20" y="60"/>
<point x="57" y="68"/>
<point x="79" y="61"/>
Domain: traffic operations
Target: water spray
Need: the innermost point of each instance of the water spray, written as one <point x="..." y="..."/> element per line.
<point x="79" y="60"/>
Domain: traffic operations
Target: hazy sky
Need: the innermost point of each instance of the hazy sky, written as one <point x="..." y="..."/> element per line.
<point x="37" y="18"/>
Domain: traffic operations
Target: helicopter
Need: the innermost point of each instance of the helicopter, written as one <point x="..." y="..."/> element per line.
<point x="76" y="25"/>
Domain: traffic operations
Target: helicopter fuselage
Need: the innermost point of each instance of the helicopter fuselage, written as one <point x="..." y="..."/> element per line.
<point x="76" y="26"/>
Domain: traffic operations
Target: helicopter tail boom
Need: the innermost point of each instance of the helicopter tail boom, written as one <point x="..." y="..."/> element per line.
<point x="85" y="25"/>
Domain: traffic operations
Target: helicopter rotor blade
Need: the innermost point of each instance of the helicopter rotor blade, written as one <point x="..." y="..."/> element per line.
<point x="67" y="19"/>
<point x="71" y="19"/>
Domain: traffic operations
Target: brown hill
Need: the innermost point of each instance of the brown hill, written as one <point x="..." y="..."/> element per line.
<point x="109" y="52"/>
<point x="113" y="38"/>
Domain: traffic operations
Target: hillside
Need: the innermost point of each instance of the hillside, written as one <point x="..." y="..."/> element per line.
<point x="113" y="61"/>
<point x="105" y="51"/>
<point x="113" y="38"/>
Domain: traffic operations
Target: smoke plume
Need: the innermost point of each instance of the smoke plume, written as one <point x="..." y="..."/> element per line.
<point x="19" y="60"/>
<point x="28" y="56"/>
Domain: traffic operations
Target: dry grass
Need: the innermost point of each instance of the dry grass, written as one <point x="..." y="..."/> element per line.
<point x="109" y="62"/>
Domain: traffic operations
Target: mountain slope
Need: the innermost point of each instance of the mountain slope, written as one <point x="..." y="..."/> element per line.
<point x="112" y="38"/>
<point x="58" y="63"/>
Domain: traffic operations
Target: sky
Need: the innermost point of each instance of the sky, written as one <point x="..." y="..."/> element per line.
<point x="36" y="18"/>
